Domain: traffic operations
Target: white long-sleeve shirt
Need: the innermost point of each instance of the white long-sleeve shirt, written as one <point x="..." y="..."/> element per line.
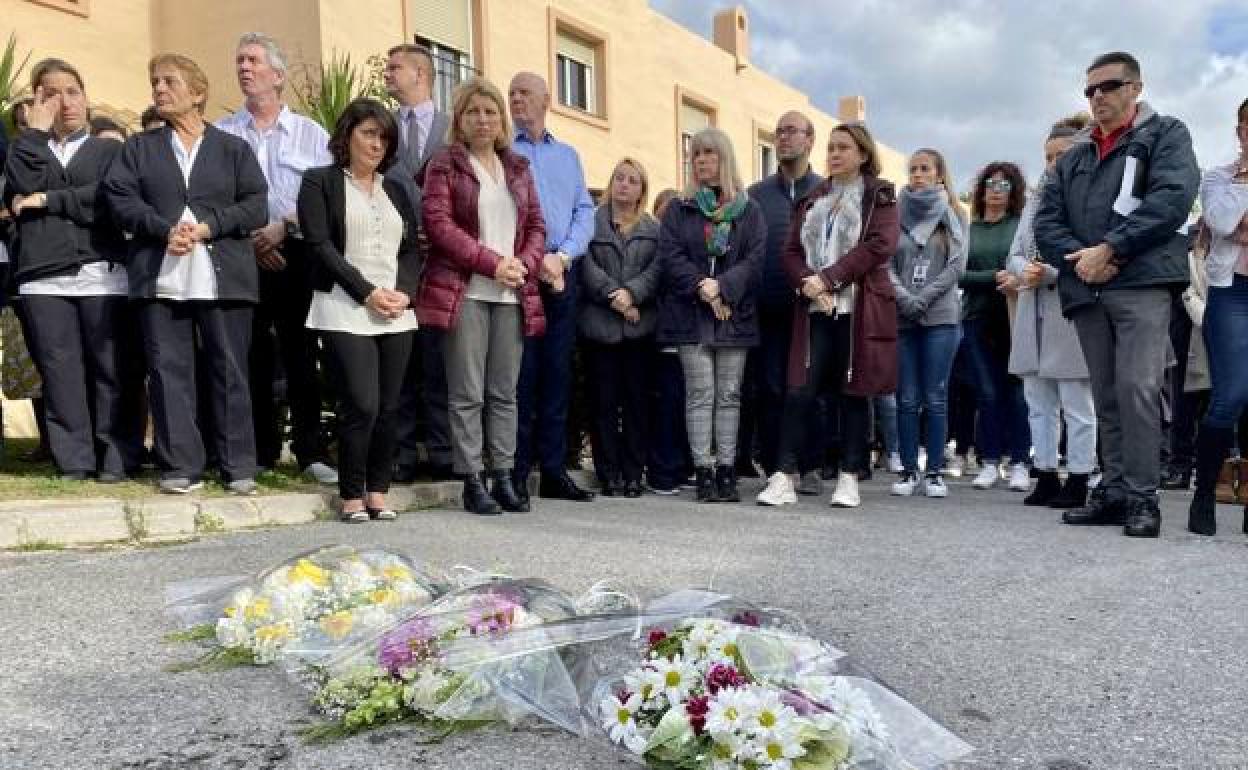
<point x="1223" y="203"/>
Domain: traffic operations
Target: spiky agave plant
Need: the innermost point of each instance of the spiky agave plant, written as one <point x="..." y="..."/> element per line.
<point x="11" y="89"/>
<point x="326" y="91"/>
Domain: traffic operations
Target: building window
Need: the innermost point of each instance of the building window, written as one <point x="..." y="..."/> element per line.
<point x="77" y="7"/>
<point x="451" y="67"/>
<point x="766" y="159"/>
<point x="694" y="115"/>
<point x="578" y="70"/>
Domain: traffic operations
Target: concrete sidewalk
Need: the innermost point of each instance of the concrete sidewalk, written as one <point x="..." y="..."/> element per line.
<point x="38" y="524"/>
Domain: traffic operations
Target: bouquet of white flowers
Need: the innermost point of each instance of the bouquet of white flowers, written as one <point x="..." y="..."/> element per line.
<point x="305" y="605"/>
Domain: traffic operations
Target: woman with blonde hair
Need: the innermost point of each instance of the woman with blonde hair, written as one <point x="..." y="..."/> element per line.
<point x="711" y="244"/>
<point x="620" y="275"/>
<point x="487" y="238"/>
<point x="931" y="254"/>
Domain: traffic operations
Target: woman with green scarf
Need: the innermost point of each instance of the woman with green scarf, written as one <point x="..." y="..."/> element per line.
<point x="711" y="246"/>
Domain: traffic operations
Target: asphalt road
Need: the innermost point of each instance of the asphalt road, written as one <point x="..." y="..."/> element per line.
<point x="1044" y="646"/>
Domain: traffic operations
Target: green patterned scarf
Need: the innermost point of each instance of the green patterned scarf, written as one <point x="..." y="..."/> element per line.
<point x="719" y="219"/>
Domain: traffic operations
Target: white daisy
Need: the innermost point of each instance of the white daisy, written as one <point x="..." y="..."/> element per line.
<point x="778" y="750"/>
<point x="619" y="718"/>
<point x="675" y="678"/>
<point x="727" y="712"/>
<point x="766" y="715"/>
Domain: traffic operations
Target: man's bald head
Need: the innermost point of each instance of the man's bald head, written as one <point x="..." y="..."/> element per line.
<point x="528" y="99"/>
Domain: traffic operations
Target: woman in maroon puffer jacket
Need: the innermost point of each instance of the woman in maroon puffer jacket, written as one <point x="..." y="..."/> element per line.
<point x="487" y="237"/>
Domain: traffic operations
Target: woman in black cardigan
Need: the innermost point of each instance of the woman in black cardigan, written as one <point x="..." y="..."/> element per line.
<point x="73" y="287"/>
<point x="191" y="195"/>
<point x="363" y="229"/>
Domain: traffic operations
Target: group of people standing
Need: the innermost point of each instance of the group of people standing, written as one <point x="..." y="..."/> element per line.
<point x="441" y="268"/>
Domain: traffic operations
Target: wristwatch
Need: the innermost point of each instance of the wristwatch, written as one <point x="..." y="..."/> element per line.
<point x="292" y="229"/>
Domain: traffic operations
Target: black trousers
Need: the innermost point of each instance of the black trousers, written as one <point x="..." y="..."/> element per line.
<point x="80" y="347"/>
<point x="763" y="391"/>
<point x="279" y="333"/>
<point x="619" y="384"/>
<point x="170" y="330"/>
<point x="368" y="374"/>
<point x="424" y="400"/>
<point x="829" y="350"/>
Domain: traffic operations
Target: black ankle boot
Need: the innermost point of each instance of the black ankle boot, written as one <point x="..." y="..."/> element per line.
<point x="504" y="493"/>
<point x="476" y="499"/>
<point x="705" y="484"/>
<point x="1212" y="445"/>
<point x="726" y="484"/>
<point x="1047" y="487"/>
<point x="1074" y="493"/>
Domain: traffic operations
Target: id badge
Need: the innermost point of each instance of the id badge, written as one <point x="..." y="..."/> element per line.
<point x="919" y="277"/>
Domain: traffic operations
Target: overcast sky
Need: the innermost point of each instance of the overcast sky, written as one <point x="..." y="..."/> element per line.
<point x="982" y="80"/>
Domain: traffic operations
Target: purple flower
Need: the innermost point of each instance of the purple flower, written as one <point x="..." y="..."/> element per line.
<point x="800" y="703"/>
<point x="722" y="677"/>
<point x="697" y="707"/>
<point x="656" y="635"/>
<point x="408" y="645"/>
<point x="747" y="618"/>
<point x="492" y="614"/>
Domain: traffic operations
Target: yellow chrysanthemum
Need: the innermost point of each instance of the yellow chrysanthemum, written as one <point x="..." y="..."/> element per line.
<point x="384" y="597"/>
<point x="337" y="625"/>
<point x="305" y="570"/>
<point x="396" y="572"/>
<point x="231" y="611"/>
<point x="277" y="632"/>
<point x="257" y="610"/>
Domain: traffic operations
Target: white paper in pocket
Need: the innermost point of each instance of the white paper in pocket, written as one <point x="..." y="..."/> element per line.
<point x="1126" y="202"/>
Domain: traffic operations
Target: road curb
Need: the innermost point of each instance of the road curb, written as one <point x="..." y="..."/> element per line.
<point x="52" y="524"/>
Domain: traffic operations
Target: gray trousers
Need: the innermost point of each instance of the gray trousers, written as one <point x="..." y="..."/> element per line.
<point x="483" y="351"/>
<point x="1125" y="341"/>
<point x="712" y="401"/>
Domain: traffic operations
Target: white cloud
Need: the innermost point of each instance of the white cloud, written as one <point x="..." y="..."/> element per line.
<point x="983" y="81"/>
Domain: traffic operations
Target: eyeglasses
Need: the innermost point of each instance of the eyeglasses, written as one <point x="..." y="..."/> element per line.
<point x="791" y="130"/>
<point x="1105" y="87"/>
<point x="998" y="185"/>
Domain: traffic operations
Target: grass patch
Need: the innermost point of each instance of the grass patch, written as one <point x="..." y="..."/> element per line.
<point x="23" y="480"/>
<point x="39" y="545"/>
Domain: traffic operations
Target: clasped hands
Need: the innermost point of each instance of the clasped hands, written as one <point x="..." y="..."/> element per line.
<point x="387" y="303"/>
<point x="622" y="303"/>
<point x="511" y="272"/>
<point x="815" y="289"/>
<point x="266" y="241"/>
<point x="708" y="292"/>
<point x="1095" y="264"/>
<point x="552" y="271"/>
<point x="184" y="235"/>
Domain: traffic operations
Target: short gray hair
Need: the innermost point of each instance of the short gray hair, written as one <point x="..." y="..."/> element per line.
<point x="272" y="51"/>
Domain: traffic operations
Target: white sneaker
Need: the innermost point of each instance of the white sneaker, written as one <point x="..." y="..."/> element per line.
<point x="906" y="485"/>
<point x="934" y="486"/>
<point x="322" y="473"/>
<point x="988" y="476"/>
<point x="954" y="466"/>
<point x="779" y="491"/>
<point x="1020" y="477"/>
<point x="846" y="494"/>
<point x="894" y="463"/>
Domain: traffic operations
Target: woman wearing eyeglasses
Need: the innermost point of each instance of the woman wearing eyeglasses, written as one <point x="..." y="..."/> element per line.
<point x="996" y="206"/>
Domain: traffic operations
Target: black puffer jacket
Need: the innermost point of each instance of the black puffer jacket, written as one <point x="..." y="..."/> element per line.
<point x="1078" y="208"/>
<point x="613" y="262"/>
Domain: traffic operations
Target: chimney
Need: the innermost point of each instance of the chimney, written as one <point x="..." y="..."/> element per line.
<point x="851" y="108"/>
<point x="732" y="34"/>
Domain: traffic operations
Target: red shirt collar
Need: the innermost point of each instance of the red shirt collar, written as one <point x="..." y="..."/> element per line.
<point x="1106" y="143"/>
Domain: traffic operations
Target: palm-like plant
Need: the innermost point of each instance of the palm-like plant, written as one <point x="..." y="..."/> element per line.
<point x="11" y="90"/>
<point x="322" y="94"/>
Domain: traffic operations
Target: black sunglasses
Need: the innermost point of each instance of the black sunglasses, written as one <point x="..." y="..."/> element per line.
<point x="1105" y="87"/>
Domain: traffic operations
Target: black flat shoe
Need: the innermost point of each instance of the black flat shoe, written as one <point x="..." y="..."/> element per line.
<point x="381" y="514"/>
<point x="562" y="487"/>
<point x="726" y="484"/>
<point x="1047" y="487"/>
<point x="477" y="500"/>
<point x="705" y="485"/>
<point x="504" y="493"/>
<point x="1202" y="515"/>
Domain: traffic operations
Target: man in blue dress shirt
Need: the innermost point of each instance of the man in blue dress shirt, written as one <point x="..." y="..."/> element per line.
<point x="545" y="385"/>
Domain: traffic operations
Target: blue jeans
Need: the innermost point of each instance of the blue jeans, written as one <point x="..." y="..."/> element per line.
<point x="999" y="397"/>
<point x="1225" y="332"/>
<point x="545" y="388"/>
<point x="885" y="408"/>
<point x="925" y="358"/>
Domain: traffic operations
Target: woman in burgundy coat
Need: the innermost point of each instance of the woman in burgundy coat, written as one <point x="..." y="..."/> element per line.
<point x="486" y="237"/>
<point x="844" y="342"/>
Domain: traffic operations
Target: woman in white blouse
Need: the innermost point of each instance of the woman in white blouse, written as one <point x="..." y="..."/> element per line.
<point x="363" y="229"/>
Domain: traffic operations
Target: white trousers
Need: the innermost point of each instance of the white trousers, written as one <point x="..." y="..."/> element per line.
<point x="1049" y="399"/>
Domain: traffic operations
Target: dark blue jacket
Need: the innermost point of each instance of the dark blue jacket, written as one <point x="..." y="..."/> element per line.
<point x="1078" y="208"/>
<point x="684" y="319"/>
<point x="778" y="198"/>
<point x="147" y="192"/>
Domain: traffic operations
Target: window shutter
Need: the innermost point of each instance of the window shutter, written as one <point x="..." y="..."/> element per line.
<point x="448" y="22"/>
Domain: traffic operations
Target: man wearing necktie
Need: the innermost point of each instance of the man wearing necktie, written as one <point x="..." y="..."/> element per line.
<point x="422" y="131"/>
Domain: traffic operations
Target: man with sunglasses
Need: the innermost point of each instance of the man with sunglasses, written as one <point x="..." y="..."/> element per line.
<point x="1112" y="221"/>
